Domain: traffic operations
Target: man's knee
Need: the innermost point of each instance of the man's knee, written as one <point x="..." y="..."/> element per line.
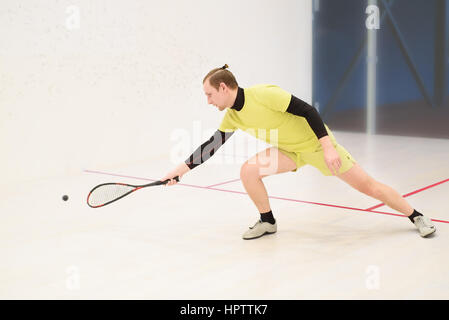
<point x="373" y="189"/>
<point x="249" y="170"/>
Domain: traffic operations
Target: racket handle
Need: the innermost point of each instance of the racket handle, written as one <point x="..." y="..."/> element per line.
<point x="165" y="181"/>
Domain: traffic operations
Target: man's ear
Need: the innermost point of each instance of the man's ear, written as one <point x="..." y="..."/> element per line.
<point x="223" y="86"/>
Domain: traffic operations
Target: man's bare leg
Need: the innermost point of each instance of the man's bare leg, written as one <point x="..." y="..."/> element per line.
<point x="268" y="162"/>
<point x="361" y="181"/>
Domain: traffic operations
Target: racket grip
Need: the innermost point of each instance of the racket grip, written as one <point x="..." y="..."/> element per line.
<point x="176" y="178"/>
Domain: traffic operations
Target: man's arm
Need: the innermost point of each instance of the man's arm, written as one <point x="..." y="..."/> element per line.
<point x="203" y="153"/>
<point x="303" y="109"/>
<point x="207" y="149"/>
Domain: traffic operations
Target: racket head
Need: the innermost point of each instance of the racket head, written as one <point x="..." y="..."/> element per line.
<point x="107" y="193"/>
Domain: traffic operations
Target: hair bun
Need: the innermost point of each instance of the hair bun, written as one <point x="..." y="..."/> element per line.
<point x="225" y="67"/>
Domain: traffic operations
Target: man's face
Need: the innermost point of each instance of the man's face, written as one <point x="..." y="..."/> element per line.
<point x="216" y="97"/>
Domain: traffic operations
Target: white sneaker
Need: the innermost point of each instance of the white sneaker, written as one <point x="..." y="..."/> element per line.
<point x="424" y="225"/>
<point x="259" y="229"/>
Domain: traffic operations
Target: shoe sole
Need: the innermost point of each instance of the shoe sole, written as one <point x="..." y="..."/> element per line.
<point x="266" y="232"/>
<point x="428" y="234"/>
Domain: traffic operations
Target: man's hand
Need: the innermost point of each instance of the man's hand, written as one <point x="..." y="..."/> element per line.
<point x="180" y="170"/>
<point x="331" y="156"/>
<point x="333" y="160"/>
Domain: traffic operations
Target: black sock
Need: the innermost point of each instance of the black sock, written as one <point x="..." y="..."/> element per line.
<point x="267" y="217"/>
<point x="414" y="214"/>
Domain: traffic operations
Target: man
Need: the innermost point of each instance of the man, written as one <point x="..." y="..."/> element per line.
<point x="300" y="137"/>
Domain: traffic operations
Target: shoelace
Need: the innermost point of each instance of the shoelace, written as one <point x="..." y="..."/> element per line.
<point x="421" y="223"/>
<point x="259" y="221"/>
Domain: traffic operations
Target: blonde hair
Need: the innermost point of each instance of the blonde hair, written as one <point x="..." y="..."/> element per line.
<point x="219" y="75"/>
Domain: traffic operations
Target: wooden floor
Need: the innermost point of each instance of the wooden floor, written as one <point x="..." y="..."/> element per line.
<point x="184" y="242"/>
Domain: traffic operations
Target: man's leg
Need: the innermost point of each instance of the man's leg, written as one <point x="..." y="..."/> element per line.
<point x="357" y="178"/>
<point x="268" y="162"/>
<point x="361" y="181"/>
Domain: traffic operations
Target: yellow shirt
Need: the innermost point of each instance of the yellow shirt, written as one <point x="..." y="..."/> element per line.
<point x="264" y="116"/>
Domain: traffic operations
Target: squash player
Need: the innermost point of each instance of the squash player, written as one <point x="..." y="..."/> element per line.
<point x="302" y="139"/>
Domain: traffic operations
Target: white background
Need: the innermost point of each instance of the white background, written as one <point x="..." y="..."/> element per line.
<point x="96" y="84"/>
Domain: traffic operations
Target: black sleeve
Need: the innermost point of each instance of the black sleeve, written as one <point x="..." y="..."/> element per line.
<point x="208" y="148"/>
<point x="303" y="109"/>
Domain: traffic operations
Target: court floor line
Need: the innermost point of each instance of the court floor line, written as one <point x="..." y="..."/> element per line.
<point x="219" y="184"/>
<point x="411" y="193"/>
<point x="371" y="208"/>
<point x="271" y="197"/>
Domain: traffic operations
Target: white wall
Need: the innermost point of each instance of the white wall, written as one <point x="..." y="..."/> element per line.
<point x="110" y="87"/>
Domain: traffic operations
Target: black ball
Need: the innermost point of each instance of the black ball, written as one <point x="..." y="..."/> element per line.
<point x="65" y="197"/>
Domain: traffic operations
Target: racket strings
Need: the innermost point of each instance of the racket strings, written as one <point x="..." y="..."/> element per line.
<point x="107" y="193"/>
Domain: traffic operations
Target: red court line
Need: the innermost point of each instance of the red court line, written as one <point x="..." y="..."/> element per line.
<point x="219" y="184"/>
<point x="411" y="193"/>
<point x="272" y="197"/>
<point x="139" y="178"/>
<point x="118" y="175"/>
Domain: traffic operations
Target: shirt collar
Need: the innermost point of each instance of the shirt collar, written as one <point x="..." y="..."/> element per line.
<point x="239" y="100"/>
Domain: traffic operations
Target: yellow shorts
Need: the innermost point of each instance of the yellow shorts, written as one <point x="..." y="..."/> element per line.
<point x="316" y="159"/>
